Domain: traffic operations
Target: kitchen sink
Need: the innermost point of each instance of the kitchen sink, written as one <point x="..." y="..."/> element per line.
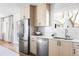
<point x="63" y="38"/>
<point x="68" y="39"/>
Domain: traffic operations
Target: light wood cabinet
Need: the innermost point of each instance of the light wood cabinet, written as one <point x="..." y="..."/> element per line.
<point x="32" y="18"/>
<point x="33" y="45"/>
<point x="76" y="52"/>
<point x="32" y="15"/>
<point x="42" y="15"/>
<point x="53" y="48"/>
<point x="60" y="48"/>
<point x="25" y="11"/>
<point x="76" y="49"/>
<point x="66" y="48"/>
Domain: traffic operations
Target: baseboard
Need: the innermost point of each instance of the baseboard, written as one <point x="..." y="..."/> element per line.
<point x="28" y="54"/>
<point x="32" y="54"/>
<point x="6" y="41"/>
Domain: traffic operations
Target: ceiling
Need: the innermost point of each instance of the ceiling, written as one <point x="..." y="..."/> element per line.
<point x="9" y="8"/>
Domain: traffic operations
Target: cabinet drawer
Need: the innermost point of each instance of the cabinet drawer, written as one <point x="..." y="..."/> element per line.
<point x="76" y="45"/>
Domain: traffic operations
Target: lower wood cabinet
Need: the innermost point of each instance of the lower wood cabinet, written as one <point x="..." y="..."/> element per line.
<point x="56" y="47"/>
<point x="33" y="45"/>
<point x="66" y="48"/>
<point x="76" y="52"/>
<point x="53" y="48"/>
<point x="60" y="48"/>
<point x="76" y="49"/>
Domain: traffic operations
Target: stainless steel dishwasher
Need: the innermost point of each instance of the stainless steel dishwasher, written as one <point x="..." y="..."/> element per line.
<point x="42" y="47"/>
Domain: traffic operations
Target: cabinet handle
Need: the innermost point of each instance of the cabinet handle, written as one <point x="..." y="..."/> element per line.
<point x="77" y="45"/>
<point x="74" y="51"/>
<point x="57" y="43"/>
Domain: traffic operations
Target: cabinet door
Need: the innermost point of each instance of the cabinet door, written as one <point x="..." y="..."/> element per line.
<point x="25" y="11"/>
<point x="76" y="49"/>
<point x="66" y="48"/>
<point x="33" y="46"/>
<point x="76" y="52"/>
<point x="53" y="48"/>
<point x="42" y="15"/>
<point x="33" y="15"/>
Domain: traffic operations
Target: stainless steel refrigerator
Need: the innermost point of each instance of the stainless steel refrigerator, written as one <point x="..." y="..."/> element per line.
<point x="24" y="35"/>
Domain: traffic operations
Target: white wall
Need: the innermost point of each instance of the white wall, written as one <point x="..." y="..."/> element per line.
<point x="15" y="33"/>
<point x="7" y="9"/>
<point x="74" y="33"/>
<point x="64" y="8"/>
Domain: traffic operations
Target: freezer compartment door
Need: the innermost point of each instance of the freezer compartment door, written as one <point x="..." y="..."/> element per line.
<point x="23" y="46"/>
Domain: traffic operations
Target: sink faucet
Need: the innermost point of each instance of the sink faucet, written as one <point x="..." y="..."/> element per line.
<point x="66" y="34"/>
<point x="66" y="31"/>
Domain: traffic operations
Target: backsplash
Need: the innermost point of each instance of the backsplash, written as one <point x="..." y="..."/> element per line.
<point x="59" y="32"/>
<point x="74" y="33"/>
<point x="48" y="31"/>
<point x="44" y="30"/>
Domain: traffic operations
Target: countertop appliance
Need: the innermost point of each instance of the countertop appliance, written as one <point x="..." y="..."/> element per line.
<point x="24" y="36"/>
<point x="42" y="47"/>
<point x="38" y="33"/>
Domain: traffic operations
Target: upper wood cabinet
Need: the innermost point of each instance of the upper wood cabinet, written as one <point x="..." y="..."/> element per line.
<point x="32" y="15"/>
<point x="42" y="15"/>
<point x="60" y="48"/>
<point x="25" y="11"/>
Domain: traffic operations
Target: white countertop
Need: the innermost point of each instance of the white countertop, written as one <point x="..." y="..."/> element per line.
<point x="50" y="37"/>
